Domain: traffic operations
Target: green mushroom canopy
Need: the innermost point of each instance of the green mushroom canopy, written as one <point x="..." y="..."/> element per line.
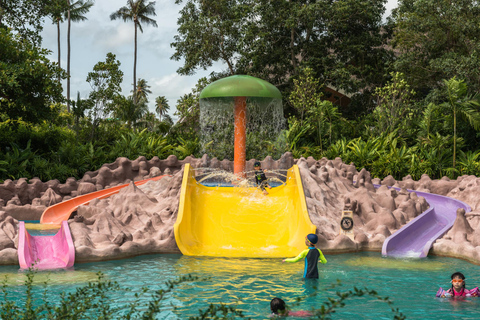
<point x="263" y="118"/>
<point x="240" y="86"/>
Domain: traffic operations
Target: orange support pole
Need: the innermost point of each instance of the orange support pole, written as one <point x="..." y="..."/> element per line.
<point x="240" y="152"/>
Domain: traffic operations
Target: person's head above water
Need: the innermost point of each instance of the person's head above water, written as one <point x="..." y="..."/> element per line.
<point x="277" y="306"/>
<point x="458" y="281"/>
<point x="312" y="238"/>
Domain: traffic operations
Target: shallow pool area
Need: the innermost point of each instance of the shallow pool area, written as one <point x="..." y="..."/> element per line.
<point x="250" y="284"/>
<point x="35" y="228"/>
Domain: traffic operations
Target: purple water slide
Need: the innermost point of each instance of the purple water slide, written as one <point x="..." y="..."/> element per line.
<point x="416" y="237"/>
<point x="45" y="252"/>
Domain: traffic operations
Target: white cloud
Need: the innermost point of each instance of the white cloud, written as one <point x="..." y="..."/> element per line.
<point x="390" y="5"/>
<point x="114" y="37"/>
<point x="172" y="86"/>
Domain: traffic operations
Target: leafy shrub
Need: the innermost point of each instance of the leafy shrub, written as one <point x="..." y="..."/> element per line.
<point x="93" y="302"/>
<point x="143" y="143"/>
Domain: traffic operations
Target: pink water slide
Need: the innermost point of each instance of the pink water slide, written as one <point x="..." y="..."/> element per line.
<point x="58" y="251"/>
<point x="45" y="252"/>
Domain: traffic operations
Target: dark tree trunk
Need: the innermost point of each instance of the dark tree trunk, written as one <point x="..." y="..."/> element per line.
<point x="68" y="57"/>
<point x="58" y="45"/>
<point x="135" y="68"/>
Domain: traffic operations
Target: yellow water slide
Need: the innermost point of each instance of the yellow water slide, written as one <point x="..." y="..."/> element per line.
<point x="242" y="222"/>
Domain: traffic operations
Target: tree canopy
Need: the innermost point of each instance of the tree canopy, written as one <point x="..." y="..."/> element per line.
<point x="437" y="40"/>
<point x="24" y="17"/>
<point x="396" y="97"/>
<point x="28" y="80"/>
<point x="105" y="81"/>
<point x="137" y="11"/>
<point x="342" y="41"/>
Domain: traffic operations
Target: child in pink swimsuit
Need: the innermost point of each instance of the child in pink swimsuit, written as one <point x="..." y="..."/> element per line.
<point x="279" y="309"/>
<point x="458" y="288"/>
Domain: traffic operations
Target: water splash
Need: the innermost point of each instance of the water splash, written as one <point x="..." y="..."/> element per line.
<point x="224" y="178"/>
<point x="218" y="177"/>
<point x="264" y="123"/>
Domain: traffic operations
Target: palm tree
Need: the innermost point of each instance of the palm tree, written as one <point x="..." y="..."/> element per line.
<point x="161" y="106"/>
<point x="138" y="12"/>
<point x="78" y="109"/>
<point x="56" y="9"/>
<point x="143" y="90"/>
<point x="129" y="111"/>
<point x="75" y="12"/>
<point x="148" y="121"/>
<point x="459" y="102"/>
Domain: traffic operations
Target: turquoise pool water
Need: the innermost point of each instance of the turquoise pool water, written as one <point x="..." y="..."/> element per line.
<point x="252" y="283"/>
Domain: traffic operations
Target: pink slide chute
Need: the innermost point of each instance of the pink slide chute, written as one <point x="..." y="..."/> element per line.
<point x="45" y="252"/>
<point x="58" y="251"/>
<point x="61" y="211"/>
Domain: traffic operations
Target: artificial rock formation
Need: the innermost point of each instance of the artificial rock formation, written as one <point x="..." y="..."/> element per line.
<point x="331" y="186"/>
<point x="463" y="239"/>
<point x="8" y="239"/>
<point x="139" y="220"/>
<point x="134" y="221"/>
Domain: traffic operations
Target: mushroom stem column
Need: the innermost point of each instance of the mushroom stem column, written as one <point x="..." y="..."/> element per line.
<point x="240" y="153"/>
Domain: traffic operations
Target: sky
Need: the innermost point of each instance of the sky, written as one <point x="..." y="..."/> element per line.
<point x="92" y="39"/>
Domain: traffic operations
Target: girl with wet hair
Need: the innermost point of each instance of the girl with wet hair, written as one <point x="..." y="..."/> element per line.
<point x="458" y="288"/>
<point x="279" y="309"/>
<point x="458" y="284"/>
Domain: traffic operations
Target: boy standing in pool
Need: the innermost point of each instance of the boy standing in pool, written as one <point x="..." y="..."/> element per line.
<point x="260" y="178"/>
<point x="311" y="256"/>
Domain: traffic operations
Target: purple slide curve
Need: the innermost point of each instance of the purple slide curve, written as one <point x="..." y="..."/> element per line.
<point x="45" y="252"/>
<point x="416" y="237"/>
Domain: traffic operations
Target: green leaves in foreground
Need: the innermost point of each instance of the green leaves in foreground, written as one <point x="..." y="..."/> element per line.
<point x="329" y="307"/>
<point x="94" y="301"/>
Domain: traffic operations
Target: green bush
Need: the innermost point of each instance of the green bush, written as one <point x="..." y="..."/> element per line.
<point x="144" y="143"/>
<point x="94" y="301"/>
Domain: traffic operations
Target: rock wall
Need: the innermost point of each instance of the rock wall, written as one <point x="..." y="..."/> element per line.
<point x="139" y="220"/>
<point x="331" y="186"/>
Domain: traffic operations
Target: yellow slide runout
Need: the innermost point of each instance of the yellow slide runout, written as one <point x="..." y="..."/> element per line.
<point x="242" y="222"/>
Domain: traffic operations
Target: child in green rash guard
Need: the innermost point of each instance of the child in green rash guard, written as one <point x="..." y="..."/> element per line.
<point x="311" y="256"/>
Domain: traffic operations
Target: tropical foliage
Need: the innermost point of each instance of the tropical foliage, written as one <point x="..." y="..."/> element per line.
<point x="411" y="82"/>
<point x="437" y="41"/>
<point x="28" y="80"/>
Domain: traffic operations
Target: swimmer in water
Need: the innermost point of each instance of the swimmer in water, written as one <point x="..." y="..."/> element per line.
<point x="279" y="309"/>
<point x="458" y="288"/>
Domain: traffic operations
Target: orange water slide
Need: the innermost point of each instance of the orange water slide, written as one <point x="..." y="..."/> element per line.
<point x="61" y="211"/>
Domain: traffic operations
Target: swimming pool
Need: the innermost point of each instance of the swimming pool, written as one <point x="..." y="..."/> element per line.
<point x="252" y="283"/>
